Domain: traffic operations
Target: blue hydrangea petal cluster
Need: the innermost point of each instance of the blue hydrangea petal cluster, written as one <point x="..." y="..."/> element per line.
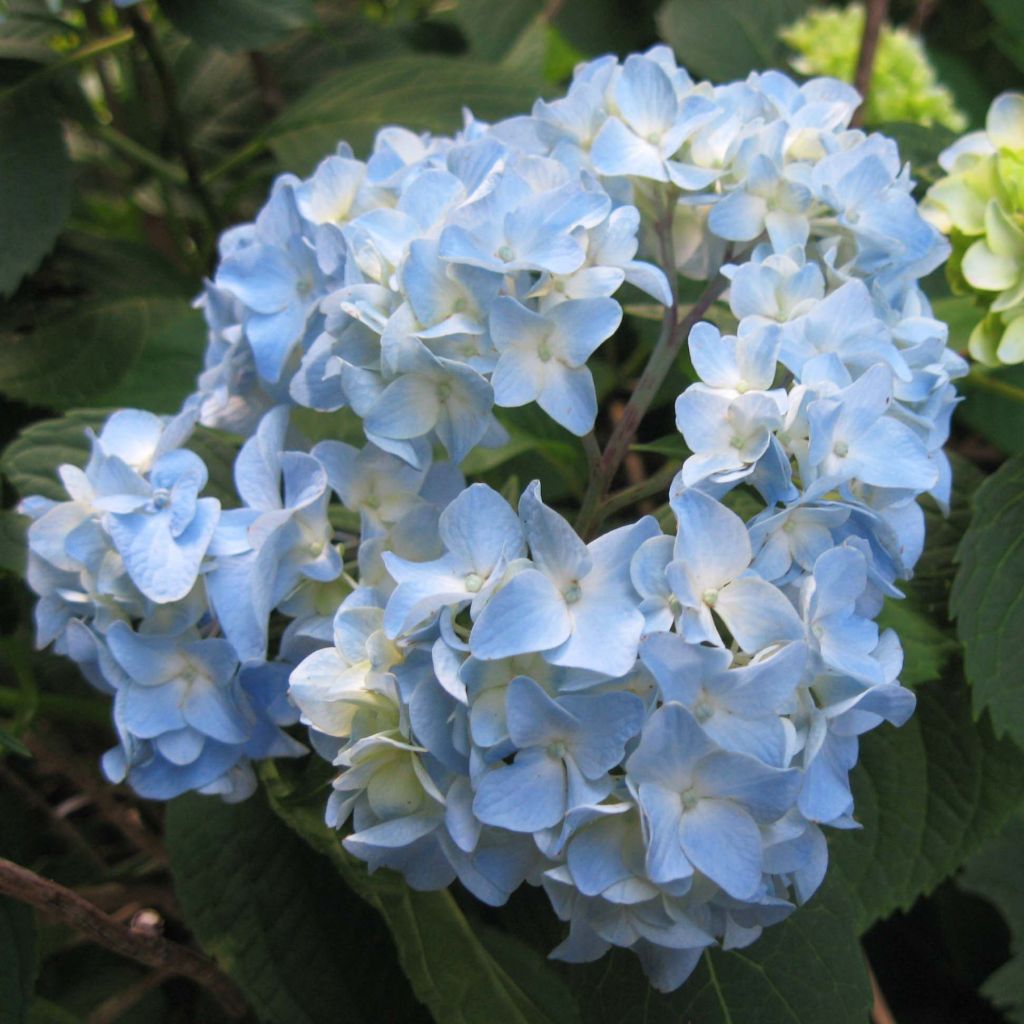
<point x="654" y="727"/>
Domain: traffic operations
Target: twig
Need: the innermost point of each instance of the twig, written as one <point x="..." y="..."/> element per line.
<point x="880" y="1012"/>
<point x="175" y="120"/>
<point x="144" y="947"/>
<point x="873" y="19"/>
<point x="61" y="827"/>
<point x="95" y="26"/>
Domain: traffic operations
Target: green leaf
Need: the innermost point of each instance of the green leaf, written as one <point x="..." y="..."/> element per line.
<point x="139" y="350"/>
<point x="987" y="599"/>
<point x="271" y="911"/>
<point x="806" y="970"/>
<point x="994" y="874"/>
<point x="238" y="24"/>
<point x="726" y="39"/>
<point x="424" y="93"/>
<point x="12" y="542"/>
<point x="461" y="979"/>
<point x="672" y="446"/>
<point x="927" y="794"/>
<point x="18" y="961"/>
<point x="926" y="648"/>
<point x="35" y="187"/>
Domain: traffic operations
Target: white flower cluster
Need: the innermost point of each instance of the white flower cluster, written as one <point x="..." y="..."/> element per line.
<point x="652" y="727"/>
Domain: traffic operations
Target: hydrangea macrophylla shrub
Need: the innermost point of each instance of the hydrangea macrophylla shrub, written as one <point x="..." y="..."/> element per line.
<point x="655" y="727"/>
<point x="980" y="205"/>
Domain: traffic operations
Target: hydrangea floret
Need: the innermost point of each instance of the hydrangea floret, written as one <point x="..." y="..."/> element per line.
<point x="980" y="205"/>
<point x="655" y="727"/>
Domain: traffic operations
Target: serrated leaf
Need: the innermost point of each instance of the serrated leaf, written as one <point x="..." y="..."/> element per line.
<point x="725" y="39"/>
<point x="451" y="970"/>
<point x="139" y="350"/>
<point x="806" y="970"/>
<point x="238" y="24"/>
<point x="927" y="794"/>
<point x="35" y="187"/>
<point x="271" y="911"/>
<point x="986" y="599"/>
<point x="994" y="874"/>
<point x="424" y="93"/>
<point x="18" y="961"/>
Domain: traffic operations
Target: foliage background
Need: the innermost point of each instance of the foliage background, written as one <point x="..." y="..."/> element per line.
<point x="128" y="139"/>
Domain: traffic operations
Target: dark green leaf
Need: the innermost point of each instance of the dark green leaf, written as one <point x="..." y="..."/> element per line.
<point x="141" y="350"/>
<point x="425" y="93"/>
<point x="988" y="599"/>
<point x="12" y="542"/>
<point x="238" y="24"/>
<point x="273" y="914"/>
<point x="30" y="461"/>
<point x="997" y="417"/>
<point x="927" y="794"/>
<point x="1009" y="33"/>
<point x="807" y="970"/>
<point x="994" y="874"/>
<point x="926" y="647"/>
<point x="456" y="975"/>
<point x="18" y="961"/>
<point x="726" y="39"/>
<point x="35" y="190"/>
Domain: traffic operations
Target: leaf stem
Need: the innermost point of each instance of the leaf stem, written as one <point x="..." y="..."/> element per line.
<point x="147" y="948"/>
<point x="654" y="484"/>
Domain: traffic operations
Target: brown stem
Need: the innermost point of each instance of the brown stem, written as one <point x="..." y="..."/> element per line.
<point x="146" y="948"/>
<point x="873" y="19"/>
<point x="175" y="120"/>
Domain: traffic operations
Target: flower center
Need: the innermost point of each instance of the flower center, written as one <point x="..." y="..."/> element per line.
<point x="161" y="498"/>
<point x="710" y="597"/>
<point x="841" y="448"/>
<point x="474" y="581"/>
<point x="572" y="593"/>
<point x="505" y="254"/>
<point x="690" y="799"/>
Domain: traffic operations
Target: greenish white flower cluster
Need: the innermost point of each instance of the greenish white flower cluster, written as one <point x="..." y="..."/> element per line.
<point x="653" y="727"/>
<point x="980" y="205"/>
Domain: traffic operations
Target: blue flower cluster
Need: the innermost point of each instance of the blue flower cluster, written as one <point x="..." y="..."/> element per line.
<point x="653" y="727"/>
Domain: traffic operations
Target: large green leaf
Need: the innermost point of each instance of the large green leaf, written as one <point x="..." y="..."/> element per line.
<point x="927" y="794"/>
<point x="18" y="961"/>
<point x="274" y="915"/>
<point x="238" y="24"/>
<point x="139" y="350"/>
<point x="35" y="190"/>
<point x="807" y="970"/>
<point x="460" y="978"/>
<point x="994" y="873"/>
<point x="988" y="598"/>
<point x="726" y="39"/>
<point x="425" y="93"/>
<point x="926" y="647"/>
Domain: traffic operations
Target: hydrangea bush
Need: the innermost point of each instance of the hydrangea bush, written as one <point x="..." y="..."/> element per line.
<point x="653" y="720"/>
